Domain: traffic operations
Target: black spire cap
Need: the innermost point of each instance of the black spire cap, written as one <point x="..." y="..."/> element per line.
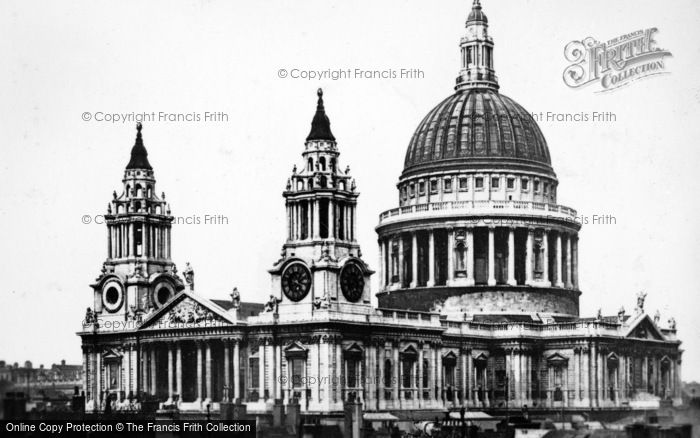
<point x="320" y="126"/>
<point x="477" y="14"/>
<point x="139" y="156"/>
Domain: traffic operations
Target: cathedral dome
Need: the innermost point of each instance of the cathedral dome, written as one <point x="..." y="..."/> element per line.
<point x="477" y="128"/>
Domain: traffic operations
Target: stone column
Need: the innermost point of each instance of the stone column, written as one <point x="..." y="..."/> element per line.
<point x="396" y="375"/>
<point x="414" y="259"/>
<point x="586" y="376"/>
<point x="369" y="380"/>
<point x="419" y="377"/>
<point x="529" y="259"/>
<point x="401" y="272"/>
<point x="545" y="257"/>
<point x="171" y="373"/>
<point x="317" y="224"/>
<point x="492" y="258"/>
<point x="309" y="220"/>
<point x="464" y="365"/>
<point x="600" y="378"/>
<point x="471" y="394"/>
<point x="450" y="257"/>
<point x="594" y="375"/>
<point x="382" y="384"/>
<point x="109" y="243"/>
<point x="511" y="256"/>
<point x="227" y="372"/>
<point x="236" y="371"/>
<point x="569" y="283"/>
<point x="574" y="260"/>
<point x="199" y="372"/>
<point x="577" y="375"/>
<point x="154" y="381"/>
<point x="339" y="371"/>
<point x="331" y="219"/>
<point x="431" y="260"/>
<point x="98" y="378"/>
<point x="559" y="267"/>
<point x="126" y="364"/>
<point x="382" y="265"/>
<point x="178" y="371"/>
<point x="142" y="384"/>
<point x="278" y="369"/>
<point x="432" y="375"/>
<point x="261" y="370"/>
<point x="438" y="361"/>
<point x="470" y="257"/>
<point x="207" y="364"/>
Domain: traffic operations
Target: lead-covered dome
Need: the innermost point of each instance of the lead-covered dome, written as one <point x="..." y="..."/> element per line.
<point x="477" y="128"/>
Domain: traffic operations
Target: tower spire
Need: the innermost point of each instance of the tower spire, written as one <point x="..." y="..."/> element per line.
<point x="477" y="53"/>
<point x="139" y="155"/>
<point x="320" y="125"/>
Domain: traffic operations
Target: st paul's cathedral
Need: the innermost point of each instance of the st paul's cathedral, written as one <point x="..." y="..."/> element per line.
<point x="478" y="300"/>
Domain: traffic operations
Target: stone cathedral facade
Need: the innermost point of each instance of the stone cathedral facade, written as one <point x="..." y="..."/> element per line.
<point x="478" y="300"/>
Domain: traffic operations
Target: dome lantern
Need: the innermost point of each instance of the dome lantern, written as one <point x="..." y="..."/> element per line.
<point x="476" y="53"/>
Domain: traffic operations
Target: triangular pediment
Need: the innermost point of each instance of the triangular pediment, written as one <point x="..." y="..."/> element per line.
<point x="481" y="357"/>
<point x="643" y="327"/>
<point x="295" y="349"/>
<point x="353" y="350"/>
<point x="557" y="359"/>
<point x="187" y="310"/>
<point x="111" y="355"/>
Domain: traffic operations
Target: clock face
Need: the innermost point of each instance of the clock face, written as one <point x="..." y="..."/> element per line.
<point x="296" y="282"/>
<point x="352" y="282"/>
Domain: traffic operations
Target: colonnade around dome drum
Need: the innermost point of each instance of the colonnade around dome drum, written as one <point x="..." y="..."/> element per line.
<point x="478" y="255"/>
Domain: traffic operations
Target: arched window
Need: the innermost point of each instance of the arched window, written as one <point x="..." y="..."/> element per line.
<point x="322" y="163"/>
<point x="139" y="190"/>
<point x="310" y="166"/>
<point x="323" y="182"/>
<point x="300" y="184"/>
<point x="311" y="183"/>
<point x="332" y="165"/>
<point x="128" y="190"/>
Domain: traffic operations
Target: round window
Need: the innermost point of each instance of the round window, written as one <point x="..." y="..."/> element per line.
<point x="112" y="296"/>
<point x="163" y="295"/>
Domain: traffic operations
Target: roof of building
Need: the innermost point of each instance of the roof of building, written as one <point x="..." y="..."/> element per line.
<point x="246" y="309"/>
<point x="477" y="14"/>
<point x="320" y="125"/>
<point x="477" y="128"/>
<point x="139" y="155"/>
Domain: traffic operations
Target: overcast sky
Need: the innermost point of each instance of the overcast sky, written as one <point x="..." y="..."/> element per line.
<point x="61" y="59"/>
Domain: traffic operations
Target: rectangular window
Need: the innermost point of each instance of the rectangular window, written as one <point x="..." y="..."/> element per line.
<point x="495" y="182"/>
<point x="297" y="369"/>
<point x="525" y="184"/>
<point x="511" y="183"/>
<point x="254" y="366"/>
<point x="448" y="185"/>
<point x="546" y="188"/>
<point x="412" y="190"/>
<point x="421" y="188"/>
<point x="407" y="373"/>
<point x="433" y="186"/>
<point x="478" y="182"/>
<point x="463" y="184"/>
<point x="537" y="186"/>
